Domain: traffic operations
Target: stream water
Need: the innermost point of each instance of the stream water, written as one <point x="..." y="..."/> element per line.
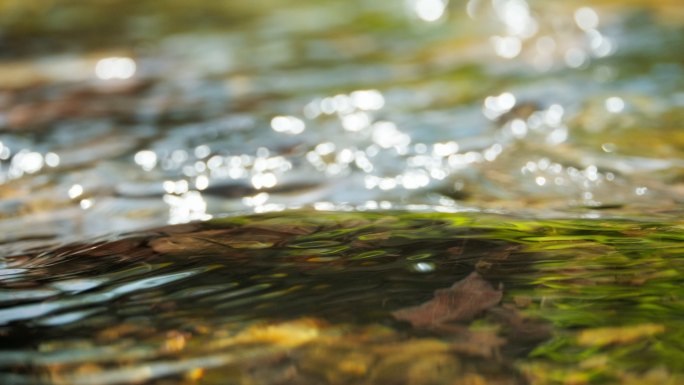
<point x="260" y="192"/>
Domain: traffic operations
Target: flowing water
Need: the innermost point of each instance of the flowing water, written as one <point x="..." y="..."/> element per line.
<point x="341" y="192"/>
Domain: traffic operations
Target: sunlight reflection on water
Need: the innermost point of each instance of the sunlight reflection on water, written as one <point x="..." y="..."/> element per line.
<point x="197" y="125"/>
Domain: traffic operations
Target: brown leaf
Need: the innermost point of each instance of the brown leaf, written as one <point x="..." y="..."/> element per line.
<point x="461" y="302"/>
<point x="216" y="241"/>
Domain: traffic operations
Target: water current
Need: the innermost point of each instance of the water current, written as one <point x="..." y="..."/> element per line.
<point x="342" y="192"/>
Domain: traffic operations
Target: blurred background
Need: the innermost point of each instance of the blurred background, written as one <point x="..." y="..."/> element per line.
<point x="118" y="115"/>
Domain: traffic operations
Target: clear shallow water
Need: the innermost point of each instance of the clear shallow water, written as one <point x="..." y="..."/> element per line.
<point x="304" y="297"/>
<point x="122" y="117"/>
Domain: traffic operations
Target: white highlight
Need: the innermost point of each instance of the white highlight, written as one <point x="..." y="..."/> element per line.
<point x="615" y="105"/>
<point x="52" y="159"/>
<point x="288" y="125"/>
<point x="115" y="68"/>
<point x="516" y="16"/>
<point x="75" y="191"/>
<point x="507" y="47"/>
<point x="368" y="99"/>
<point x="495" y="106"/>
<point x="429" y="10"/>
<point x="202" y="182"/>
<point x="265" y="180"/>
<point x="386" y="135"/>
<point x="28" y="162"/>
<point x="586" y="18"/>
<point x="146" y="159"/>
<point x="187" y="207"/>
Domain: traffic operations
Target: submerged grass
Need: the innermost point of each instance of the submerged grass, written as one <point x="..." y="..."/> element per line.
<point x="583" y="301"/>
<point x="612" y="289"/>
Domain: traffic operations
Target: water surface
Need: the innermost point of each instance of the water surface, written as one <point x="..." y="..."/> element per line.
<point x="523" y="150"/>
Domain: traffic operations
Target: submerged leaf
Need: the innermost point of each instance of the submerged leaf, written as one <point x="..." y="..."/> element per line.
<point x="461" y="302"/>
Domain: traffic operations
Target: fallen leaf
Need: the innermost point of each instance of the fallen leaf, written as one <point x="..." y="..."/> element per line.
<point x="215" y="241"/>
<point x="461" y="302"/>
